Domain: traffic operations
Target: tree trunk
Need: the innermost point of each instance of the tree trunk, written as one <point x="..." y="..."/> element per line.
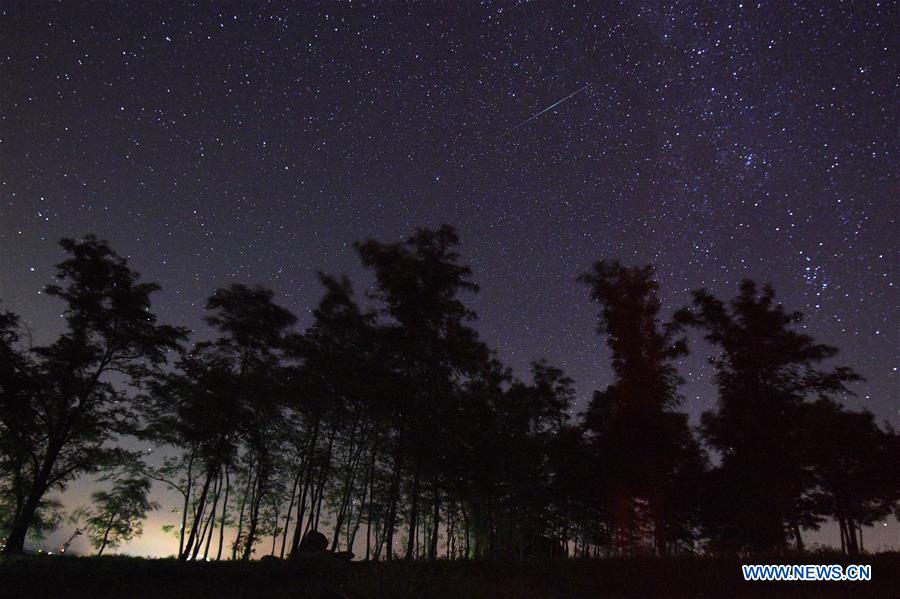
<point x="393" y="496"/>
<point x="371" y="485"/>
<point x="207" y="519"/>
<point x="451" y="530"/>
<point x="240" y="526"/>
<point x="261" y="476"/>
<point x="274" y="533"/>
<point x="852" y="543"/>
<point x="301" y="506"/>
<point x="351" y="536"/>
<point x="798" y="538"/>
<point x="413" y="514"/>
<point x="465" y="516"/>
<point x="842" y="526"/>
<point x="112" y="518"/>
<point x="301" y="510"/>
<point x="659" y="525"/>
<point x="224" y="515"/>
<point x="71" y="538"/>
<point x="188" y="485"/>
<point x="347" y="491"/>
<point x="435" y="524"/>
<point x="198" y="516"/>
<point x="210" y="524"/>
<point x="287" y="520"/>
<point x="15" y="541"/>
<point x="323" y="479"/>
<point x="211" y="527"/>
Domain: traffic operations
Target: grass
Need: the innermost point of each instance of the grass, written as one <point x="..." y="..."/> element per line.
<point x="73" y="577"/>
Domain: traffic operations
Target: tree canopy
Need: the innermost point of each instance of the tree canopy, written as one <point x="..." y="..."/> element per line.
<point x="388" y="428"/>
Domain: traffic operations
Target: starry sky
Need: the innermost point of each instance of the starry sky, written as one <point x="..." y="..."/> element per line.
<point x="255" y="142"/>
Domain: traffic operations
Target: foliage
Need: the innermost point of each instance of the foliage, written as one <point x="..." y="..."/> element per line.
<point x="388" y="426"/>
<point x="117" y="515"/>
<point x="60" y="411"/>
<point x="765" y="371"/>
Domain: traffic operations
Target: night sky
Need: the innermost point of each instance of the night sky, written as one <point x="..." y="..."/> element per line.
<point x="254" y="143"/>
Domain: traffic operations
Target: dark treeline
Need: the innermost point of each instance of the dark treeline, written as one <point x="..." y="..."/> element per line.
<point x="388" y="426"/>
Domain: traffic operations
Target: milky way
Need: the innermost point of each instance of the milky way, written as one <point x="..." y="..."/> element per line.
<point x="255" y="143"/>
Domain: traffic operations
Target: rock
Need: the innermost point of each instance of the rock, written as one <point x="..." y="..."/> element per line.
<point x="313" y="541"/>
<point x="312" y="556"/>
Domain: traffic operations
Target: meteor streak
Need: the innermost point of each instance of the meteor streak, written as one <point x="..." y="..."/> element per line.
<point x="551" y="107"/>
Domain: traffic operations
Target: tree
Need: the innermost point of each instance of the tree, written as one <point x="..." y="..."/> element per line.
<point x="18" y="421"/>
<point x="333" y="402"/>
<point x="419" y="282"/>
<point x="398" y="418"/>
<point x="224" y="396"/>
<point x="61" y="410"/>
<point x="195" y="409"/>
<point x="521" y="512"/>
<point x="578" y="517"/>
<point x="253" y="336"/>
<point x="117" y="514"/>
<point x="765" y="370"/>
<point x="636" y="429"/>
<point x="857" y="480"/>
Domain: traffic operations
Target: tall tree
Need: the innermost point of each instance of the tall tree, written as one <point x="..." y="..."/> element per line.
<point x="857" y="479"/>
<point x="18" y="422"/>
<point x="521" y="518"/>
<point x="419" y="282"/>
<point x="334" y="402"/>
<point x="196" y="409"/>
<point x="253" y="335"/>
<point x="58" y="421"/>
<point x="635" y="425"/>
<point x="765" y="370"/>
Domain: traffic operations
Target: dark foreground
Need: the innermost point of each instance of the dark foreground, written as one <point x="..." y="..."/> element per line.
<point x="678" y="577"/>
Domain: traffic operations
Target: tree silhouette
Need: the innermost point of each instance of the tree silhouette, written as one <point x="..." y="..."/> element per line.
<point x="390" y="424"/>
<point x="764" y="370"/>
<point x="857" y="481"/>
<point x="118" y="514"/>
<point x="253" y="336"/>
<point x="520" y="506"/>
<point x="634" y="425"/>
<point x="418" y="281"/>
<point x="333" y="405"/>
<point x="62" y="411"/>
<point x="195" y="409"/>
<point x="19" y="382"/>
<point x="224" y="395"/>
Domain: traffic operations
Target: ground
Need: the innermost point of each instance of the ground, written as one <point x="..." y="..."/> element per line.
<point x="70" y="577"/>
